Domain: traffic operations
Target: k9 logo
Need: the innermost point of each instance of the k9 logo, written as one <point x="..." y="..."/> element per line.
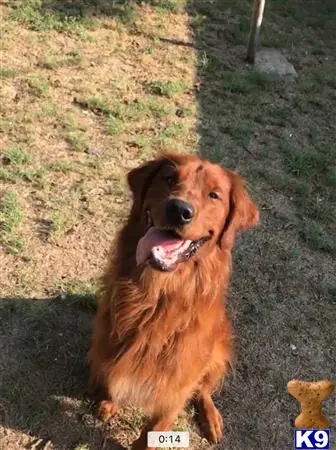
<point x="311" y="439"/>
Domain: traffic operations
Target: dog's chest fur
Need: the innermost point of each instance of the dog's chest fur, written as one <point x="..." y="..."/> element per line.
<point x="168" y="336"/>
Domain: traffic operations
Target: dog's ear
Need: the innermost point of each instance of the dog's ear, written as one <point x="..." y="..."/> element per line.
<point x="139" y="180"/>
<point x="243" y="213"/>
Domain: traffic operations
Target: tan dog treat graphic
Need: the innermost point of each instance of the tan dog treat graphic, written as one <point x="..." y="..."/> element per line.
<point x="310" y="395"/>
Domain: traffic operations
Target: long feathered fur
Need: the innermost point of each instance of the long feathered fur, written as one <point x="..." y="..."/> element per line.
<point x="158" y="338"/>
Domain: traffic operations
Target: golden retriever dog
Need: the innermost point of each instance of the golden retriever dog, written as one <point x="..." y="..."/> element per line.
<point x="161" y="336"/>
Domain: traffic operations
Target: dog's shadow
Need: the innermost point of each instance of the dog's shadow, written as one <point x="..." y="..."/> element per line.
<point x="43" y="377"/>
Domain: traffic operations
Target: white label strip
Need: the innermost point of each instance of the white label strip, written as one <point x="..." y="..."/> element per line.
<point x="164" y="439"/>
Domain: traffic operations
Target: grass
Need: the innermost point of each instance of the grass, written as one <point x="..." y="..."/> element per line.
<point x="7" y="73"/>
<point x="35" y="175"/>
<point x="313" y="172"/>
<point x="90" y="90"/>
<point x="46" y="111"/>
<point x="74" y="135"/>
<point x="61" y="166"/>
<point x="15" y="171"/>
<point x="317" y="236"/>
<point x="166" y="88"/>
<point x="10" y="213"/>
<point x="56" y="61"/>
<point x="15" y="156"/>
<point x="175" y="130"/>
<point x="303" y="164"/>
<point x="81" y="292"/>
<point x="39" y="18"/>
<point x="38" y="86"/>
<point x="114" y="126"/>
<point x="7" y="125"/>
<point x="57" y="224"/>
<point x="7" y="175"/>
<point x="10" y="220"/>
<point x="77" y="140"/>
<point x="96" y="105"/>
<point x="144" y="108"/>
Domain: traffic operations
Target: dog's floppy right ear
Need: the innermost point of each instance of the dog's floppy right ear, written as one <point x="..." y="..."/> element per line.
<point x="243" y="212"/>
<point x="139" y="180"/>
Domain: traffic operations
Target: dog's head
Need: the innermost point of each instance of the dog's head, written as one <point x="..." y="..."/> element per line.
<point x="187" y="207"/>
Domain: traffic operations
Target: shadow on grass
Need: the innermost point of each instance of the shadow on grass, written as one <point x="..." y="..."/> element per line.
<point x="43" y="377"/>
<point x="277" y="133"/>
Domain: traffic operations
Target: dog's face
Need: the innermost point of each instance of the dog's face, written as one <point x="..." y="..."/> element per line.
<point x="186" y="207"/>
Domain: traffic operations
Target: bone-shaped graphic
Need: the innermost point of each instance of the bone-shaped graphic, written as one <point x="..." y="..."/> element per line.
<point x="310" y="395"/>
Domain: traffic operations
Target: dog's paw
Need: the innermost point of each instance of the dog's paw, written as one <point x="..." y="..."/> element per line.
<point x="213" y="425"/>
<point x="107" y="410"/>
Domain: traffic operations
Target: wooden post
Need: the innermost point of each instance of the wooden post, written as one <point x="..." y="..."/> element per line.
<point x="257" y="17"/>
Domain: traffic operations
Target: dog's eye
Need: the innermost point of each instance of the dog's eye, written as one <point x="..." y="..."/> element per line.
<point x="213" y="195"/>
<point x="169" y="179"/>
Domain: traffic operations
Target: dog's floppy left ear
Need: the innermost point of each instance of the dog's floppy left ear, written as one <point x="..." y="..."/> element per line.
<point x="243" y="213"/>
<point x="139" y="180"/>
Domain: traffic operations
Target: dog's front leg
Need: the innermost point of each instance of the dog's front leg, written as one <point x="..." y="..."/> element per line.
<point x="209" y="417"/>
<point x="161" y="422"/>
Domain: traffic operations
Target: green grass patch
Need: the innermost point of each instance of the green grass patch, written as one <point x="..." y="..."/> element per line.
<point x="8" y="175"/>
<point x="38" y="15"/>
<point x="77" y="140"/>
<point x="301" y="162"/>
<point x="142" y="109"/>
<point x="114" y="126"/>
<point x="74" y="135"/>
<point x="15" y="156"/>
<point x="15" y="244"/>
<point x="166" y="88"/>
<point x="10" y="213"/>
<point x="316" y="235"/>
<point x="145" y="143"/>
<point x="312" y="169"/>
<point x="57" y="224"/>
<point x="10" y="220"/>
<point x="38" y="86"/>
<point x="46" y="111"/>
<point x="16" y="168"/>
<point x="34" y="175"/>
<point x="7" y="73"/>
<point x="174" y="130"/>
<point x="97" y="105"/>
<point x="173" y="6"/>
<point x="247" y="82"/>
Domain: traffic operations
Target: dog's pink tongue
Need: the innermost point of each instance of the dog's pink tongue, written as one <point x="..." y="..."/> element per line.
<point x="156" y="239"/>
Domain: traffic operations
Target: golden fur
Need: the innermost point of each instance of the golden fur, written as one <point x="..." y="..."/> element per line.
<point x="162" y="338"/>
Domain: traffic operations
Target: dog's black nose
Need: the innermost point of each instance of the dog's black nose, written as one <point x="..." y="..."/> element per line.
<point x="179" y="212"/>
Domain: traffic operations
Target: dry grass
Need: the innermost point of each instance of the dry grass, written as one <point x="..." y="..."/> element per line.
<point x="88" y="90"/>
